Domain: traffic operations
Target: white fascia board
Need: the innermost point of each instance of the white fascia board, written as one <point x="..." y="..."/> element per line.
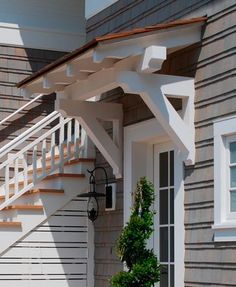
<point x="178" y="37"/>
<point x="41" y="38"/>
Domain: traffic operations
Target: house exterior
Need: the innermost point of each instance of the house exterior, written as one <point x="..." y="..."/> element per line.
<point x="151" y="93"/>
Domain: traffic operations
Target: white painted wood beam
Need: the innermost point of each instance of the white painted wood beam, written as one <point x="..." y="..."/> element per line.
<point x="94" y="85"/>
<point x="89" y="66"/>
<point x="88" y="114"/>
<point x="37" y="88"/>
<point x="135" y="45"/>
<point x="152" y="59"/>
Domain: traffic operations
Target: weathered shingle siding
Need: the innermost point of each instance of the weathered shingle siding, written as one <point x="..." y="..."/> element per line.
<point x="212" y="63"/>
<point x="17" y="63"/>
<point x="125" y="15"/>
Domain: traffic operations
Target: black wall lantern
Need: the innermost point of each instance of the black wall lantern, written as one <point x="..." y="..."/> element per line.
<point x="92" y="195"/>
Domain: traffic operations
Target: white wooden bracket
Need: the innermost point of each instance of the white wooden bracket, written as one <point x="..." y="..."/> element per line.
<point x="154" y="90"/>
<point x="152" y="59"/>
<point x="88" y="114"/>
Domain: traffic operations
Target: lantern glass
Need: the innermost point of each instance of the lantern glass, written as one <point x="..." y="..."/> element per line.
<point x="92" y="208"/>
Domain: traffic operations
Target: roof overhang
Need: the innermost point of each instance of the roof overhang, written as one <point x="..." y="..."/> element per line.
<point x="104" y="52"/>
<point x="128" y="60"/>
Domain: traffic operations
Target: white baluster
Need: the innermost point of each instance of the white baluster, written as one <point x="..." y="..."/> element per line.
<point x="7" y="187"/>
<point x="69" y="133"/>
<point x="52" y="152"/>
<point x="44" y="152"/>
<point x="35" y="163"/>
<point x="61" y="144"/>
<point x="16" y="169"/>
<point x="76" y="139"/>
<point x="25" y="169"/>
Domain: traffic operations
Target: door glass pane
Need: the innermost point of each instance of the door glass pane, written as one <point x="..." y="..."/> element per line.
<point x="163" y="207"/>
<point x="233" y="201"/>
<point x="164" y="244"/>
<point x="172" y="168"/>
<point x="232" y="147"/>
<point x="164" y="276"/>
<point x="163" y="174"/>
<point x="172" y="239"/>
<point x="233" y="176"/>
<point x="172" y="206"/>
<point x="172" y="276"/>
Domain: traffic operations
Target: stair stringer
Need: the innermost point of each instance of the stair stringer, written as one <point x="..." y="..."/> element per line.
<point x="31" y="262"/>
<point x="51" y="203"/>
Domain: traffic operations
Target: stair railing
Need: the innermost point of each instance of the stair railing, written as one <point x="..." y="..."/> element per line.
<point x="21" y="109"/>
<point x="56" y="140"/>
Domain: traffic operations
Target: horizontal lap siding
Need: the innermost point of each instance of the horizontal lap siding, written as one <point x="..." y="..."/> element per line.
<point x="108" y="226"/>
<point x="55" y="253"/>
<point x="206" y="262"/>
<point x="212" y="63"/>
<point x="15" y="64"/>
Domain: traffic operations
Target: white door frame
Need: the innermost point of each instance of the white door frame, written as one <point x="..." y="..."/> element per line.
<point x="139" y="140"/>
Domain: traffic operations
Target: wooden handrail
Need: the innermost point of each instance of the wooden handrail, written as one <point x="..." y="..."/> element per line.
<point x="21" y="109"/>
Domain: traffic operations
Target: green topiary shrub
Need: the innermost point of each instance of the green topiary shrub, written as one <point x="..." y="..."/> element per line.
<point x="143" y="268"/>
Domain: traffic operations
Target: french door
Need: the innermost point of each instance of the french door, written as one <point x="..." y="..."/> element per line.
<point x="164" y="222"/>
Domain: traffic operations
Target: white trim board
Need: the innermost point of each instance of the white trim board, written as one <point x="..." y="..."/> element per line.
<point x="41" y="38"/>
<point x="139" y="140"/>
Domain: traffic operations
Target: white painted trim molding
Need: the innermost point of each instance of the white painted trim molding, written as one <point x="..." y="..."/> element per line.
<point x="48" y="39"/>
<point x="139" y="140"/>
<point x="224" y="223"/>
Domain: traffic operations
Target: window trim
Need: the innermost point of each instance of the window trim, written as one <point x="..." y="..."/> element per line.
<point x="224" y="221"/>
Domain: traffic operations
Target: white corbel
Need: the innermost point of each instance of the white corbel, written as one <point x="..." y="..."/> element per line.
<point x="88" y="114"/>
<point x="152" y="59"/>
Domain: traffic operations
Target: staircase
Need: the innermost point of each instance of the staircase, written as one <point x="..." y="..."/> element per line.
<point x="41" y="172"/>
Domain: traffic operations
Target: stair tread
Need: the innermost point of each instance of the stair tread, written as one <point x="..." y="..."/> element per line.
<point x="55" y="175"/>
<point x="10" y="224"/>
<point x="71" y="175"/>
<point x="70" y="162"/>
<point x="24" y="207"/>
<point x="45" y="190"/>
<point x="37" y="191"/>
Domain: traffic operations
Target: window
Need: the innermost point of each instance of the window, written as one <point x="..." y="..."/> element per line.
<point x="231" y="176"/>
<point x="165" y="222"/>
<point x="225" y="179"/>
